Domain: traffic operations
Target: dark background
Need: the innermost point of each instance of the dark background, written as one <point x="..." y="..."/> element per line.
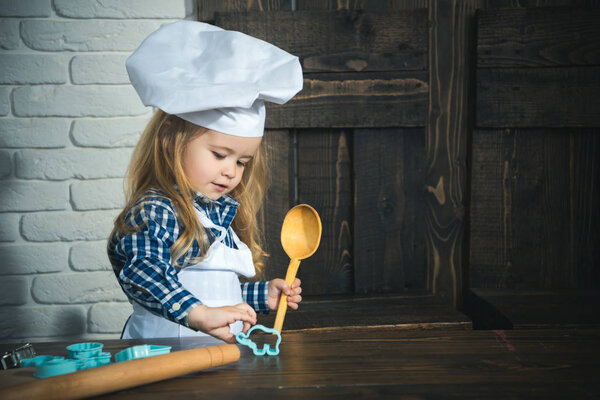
<point x="451" y="149"/>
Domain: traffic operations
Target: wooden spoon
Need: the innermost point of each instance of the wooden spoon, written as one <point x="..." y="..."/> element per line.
<point x="300" y="238"/>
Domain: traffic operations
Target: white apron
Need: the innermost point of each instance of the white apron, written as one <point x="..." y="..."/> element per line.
<point x="214" y="281"/>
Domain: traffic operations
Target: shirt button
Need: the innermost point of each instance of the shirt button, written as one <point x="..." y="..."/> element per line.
<point x="176" y="307"/>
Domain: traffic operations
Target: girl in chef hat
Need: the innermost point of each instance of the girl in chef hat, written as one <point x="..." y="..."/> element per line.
<point x="176" y="248"/>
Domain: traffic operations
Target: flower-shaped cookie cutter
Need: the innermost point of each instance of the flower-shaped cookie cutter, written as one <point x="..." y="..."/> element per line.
<point x="244" y="339"/>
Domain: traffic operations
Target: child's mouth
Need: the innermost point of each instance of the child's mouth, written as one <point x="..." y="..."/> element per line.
<point x="220" y="187"/>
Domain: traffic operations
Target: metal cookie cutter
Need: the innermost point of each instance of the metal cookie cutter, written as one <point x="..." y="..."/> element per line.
<point x="12" y="359"/>
<point x="245" y="340"/>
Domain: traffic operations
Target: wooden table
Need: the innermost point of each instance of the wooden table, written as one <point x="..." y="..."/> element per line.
<point x="391" y="363"/>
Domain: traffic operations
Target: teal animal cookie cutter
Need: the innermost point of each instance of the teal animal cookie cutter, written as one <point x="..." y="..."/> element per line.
<point x="244" y="339"/>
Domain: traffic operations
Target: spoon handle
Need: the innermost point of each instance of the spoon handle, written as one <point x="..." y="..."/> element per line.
<point x="282" y="308"/>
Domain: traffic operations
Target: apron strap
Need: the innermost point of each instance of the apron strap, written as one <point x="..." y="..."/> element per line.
<point x="207" y="223"/>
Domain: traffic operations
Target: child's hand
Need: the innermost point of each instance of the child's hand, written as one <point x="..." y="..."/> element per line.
<point x="215" y="320"/>
<point x="276" y="286"/>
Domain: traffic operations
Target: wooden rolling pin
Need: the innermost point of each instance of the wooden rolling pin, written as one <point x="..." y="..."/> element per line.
<point x="123" y="375"/>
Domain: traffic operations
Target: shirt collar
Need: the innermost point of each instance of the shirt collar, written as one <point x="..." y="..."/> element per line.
<point x="225" y="200"/>
<point x="201" y="199"/>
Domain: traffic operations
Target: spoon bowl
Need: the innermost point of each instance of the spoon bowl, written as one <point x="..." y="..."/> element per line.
<point x="300" y="238"/>
<point x="301" y="232"/>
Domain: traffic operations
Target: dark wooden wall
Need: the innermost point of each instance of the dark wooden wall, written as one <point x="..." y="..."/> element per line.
<point x="450" y="147"/>
<point x="356" y="149"/>
<point x="535" y="188"/>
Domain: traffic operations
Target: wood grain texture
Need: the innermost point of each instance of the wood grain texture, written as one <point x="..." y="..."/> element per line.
<point x="354" y="101"/>
<point x="535" y="37"/>
<point x="278" y="145"/>
<point x="371" y="5"/>
<point x="341" y="41"/>
<point x="490" y="4"/>
<point x="446" y="141"/>
<point x="584" y="272"/>
<point x="388" y="210"/>
<point x="526" y="309"/>
<point x="351" y="48"/>
<point x="393" y="364"/>
<point x="325" y="183"/>
<point x="548" y="97"/>
<point x="208" y="8"/>
<point x="534" y="217"/>
<point x="411" y="310"/>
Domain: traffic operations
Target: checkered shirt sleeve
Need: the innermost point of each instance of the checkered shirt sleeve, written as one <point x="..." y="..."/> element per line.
<point x="142" y="261"/>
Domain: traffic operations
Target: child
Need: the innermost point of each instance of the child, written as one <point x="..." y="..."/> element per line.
<point x="175" y="247"/>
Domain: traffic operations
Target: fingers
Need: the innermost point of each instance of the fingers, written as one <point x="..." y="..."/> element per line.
<point x="293" y="301"/>
<point x="280" y="285"/>
<point x="246" y="314"/>
<point x="224" y="335"/>
<point x="296" y="283"/>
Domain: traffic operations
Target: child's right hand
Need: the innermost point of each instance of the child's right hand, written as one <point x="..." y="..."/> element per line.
<point x="215" y="320"/>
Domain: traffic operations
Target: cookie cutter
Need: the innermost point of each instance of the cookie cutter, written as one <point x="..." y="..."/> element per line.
<point x="84" y="350"/>
<point x="81" y="356"/>
<point x="86" y="355"/>
<point x="244" y="339"/>
<point x="55" y="366"/>
<point x="12" y="359"/>
<point x="38" y="360"/>
<point x="141" y="351"/>
<point x="98" y="360"/>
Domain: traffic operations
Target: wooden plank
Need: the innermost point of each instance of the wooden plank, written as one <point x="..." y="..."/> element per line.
<point x="341" y="41"/>
<point x="415" y="310"/>
<point x="361" y="4"/>
<point x="208" y="8"/>
<point x="542" y="308"/>
<point x="356" y="100"/>
<point x="390" y="364"/>
<point x="493" y="176"/>
<point x="534" y="37"/>
<point x="388" y="215"/>
<point x="548" y="97"/>
<point x="490" y="4"/>
<point x="522" y="214"/>
<point x="277" y="200"/>
<point x="325" y="182"/>
<point x="447" y="133"/>
<point x="585" y="209"/>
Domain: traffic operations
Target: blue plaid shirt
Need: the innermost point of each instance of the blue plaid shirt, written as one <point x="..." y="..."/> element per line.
<point x="142" y="260"/>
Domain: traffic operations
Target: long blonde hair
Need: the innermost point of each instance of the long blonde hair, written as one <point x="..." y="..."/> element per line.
<point x="156" y="163"/>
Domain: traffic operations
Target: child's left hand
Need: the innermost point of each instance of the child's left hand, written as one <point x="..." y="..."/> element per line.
<point x="277" y="286"/>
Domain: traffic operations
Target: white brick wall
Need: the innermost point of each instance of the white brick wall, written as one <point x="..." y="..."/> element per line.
<point x="69" y="120"/>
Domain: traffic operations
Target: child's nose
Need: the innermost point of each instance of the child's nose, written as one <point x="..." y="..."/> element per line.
<point x="229" y="170"/>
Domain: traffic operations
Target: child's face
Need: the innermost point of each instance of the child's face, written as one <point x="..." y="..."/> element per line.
<point x="214" y="162"/>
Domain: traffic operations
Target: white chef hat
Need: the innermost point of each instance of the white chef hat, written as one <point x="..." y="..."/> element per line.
<point x="212" y="77"/>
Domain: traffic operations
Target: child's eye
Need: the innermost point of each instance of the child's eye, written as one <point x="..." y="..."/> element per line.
<point x="218" y="156"/>
<point x="241" y="163"/>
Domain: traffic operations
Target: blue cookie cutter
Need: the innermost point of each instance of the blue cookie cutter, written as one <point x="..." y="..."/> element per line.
<point x="92" y="362"/>
<point x="81" y="356"/>
<point x="84" y="350"/>
<point x="87" y="355"/>
<point x="141" y="351"/>
<point x="38" y="360"/>
<point x="55" y="366"/>
<point x="245" y="340"/>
